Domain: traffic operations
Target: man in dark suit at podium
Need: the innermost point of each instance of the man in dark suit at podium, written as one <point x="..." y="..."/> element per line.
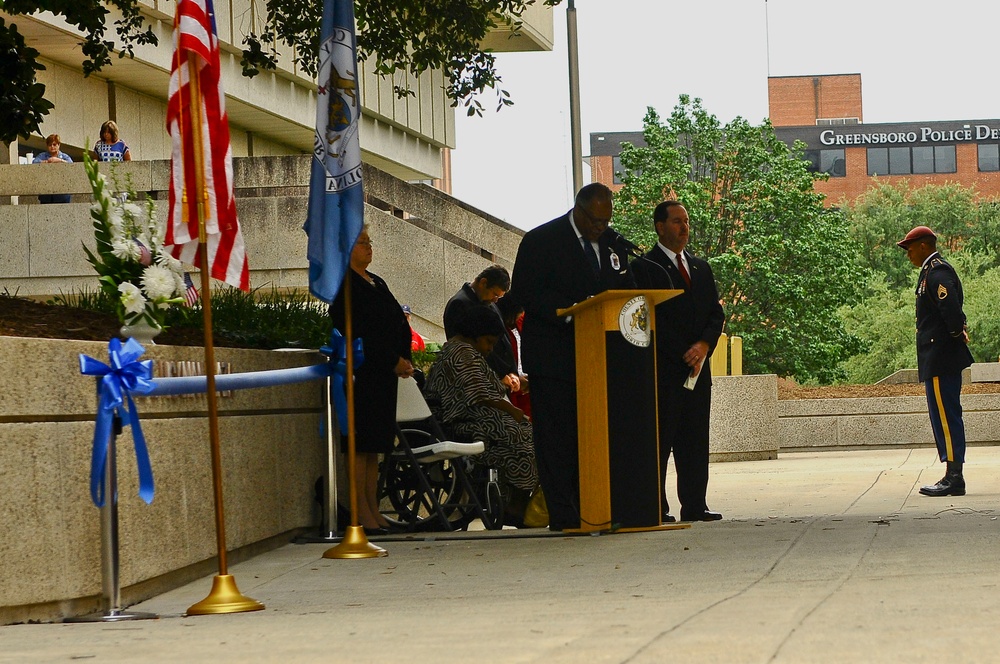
<point x="687" y="330"/>
<point x="559" y="264"/>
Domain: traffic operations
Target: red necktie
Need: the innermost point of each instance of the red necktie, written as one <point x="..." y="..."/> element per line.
<point x="683" y="270"/>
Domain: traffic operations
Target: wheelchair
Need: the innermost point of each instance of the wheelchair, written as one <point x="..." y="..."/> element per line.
<point x="429" y="482"/>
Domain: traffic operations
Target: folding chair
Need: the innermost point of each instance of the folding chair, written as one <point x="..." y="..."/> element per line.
<point x="426" y="477"/>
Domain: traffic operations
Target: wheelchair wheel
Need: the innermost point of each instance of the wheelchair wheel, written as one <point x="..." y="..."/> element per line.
<point x="402" y="499"/>
<point x="494" y="504"/>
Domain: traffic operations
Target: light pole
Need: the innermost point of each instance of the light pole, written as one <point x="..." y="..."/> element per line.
<point x="574" y="96"/>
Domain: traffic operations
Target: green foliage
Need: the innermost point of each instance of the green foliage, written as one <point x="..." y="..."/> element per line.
<point x="401" y="37"/>
<point x="980" y="285"/>
<point x="22" y="104"/>
<point x="967" y="237"/>
<point x="423" y="359"/>
<point x="255" y="319"/>
<point x="881" y="216"/>
<point x="21" y="100"/>
<point x="884" y="322"/>
<point x="269" y="320"/>
<point x="410" y="36"/>
<point x="776" y="252"/>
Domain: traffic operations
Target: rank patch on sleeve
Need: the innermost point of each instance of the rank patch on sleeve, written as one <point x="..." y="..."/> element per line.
<point x="942" y="292"/>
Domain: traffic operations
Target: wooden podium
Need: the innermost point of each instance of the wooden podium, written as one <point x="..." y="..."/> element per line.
<point x="616" y="411"/>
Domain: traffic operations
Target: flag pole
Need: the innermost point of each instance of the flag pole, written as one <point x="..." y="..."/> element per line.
<point x="225" y="597"/>
<point x="355" y="543"/>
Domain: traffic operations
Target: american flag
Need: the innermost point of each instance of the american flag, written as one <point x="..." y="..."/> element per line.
<point x="194" y="34"/>
<point x="190" y="292"/>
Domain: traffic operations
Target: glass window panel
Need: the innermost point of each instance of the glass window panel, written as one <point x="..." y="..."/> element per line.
<point x="813" y="157"/>
<point x="944" y="159"/>
<point x="832" y="162"/>
<point x="616" y="165"/>
<point x="878" y="161"/>
<point x="899" y="161"/>
<point x="923" y="160"/>
<point x="989" y="158"/>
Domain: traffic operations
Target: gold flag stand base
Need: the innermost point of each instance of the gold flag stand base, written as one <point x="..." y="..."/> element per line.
<point x="354" y="545"/>
<point x="224" y="598"/>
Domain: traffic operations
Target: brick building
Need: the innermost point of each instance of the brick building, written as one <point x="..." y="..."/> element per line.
<point x="825" y="113"/>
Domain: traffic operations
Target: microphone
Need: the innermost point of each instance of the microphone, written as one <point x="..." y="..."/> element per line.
<point x="630" y="247"/>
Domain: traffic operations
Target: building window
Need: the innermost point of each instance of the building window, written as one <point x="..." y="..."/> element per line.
<point x="923" y="160"/>
<point x="826" y="161"/>
<point x="899" y="161"/>
<point x="989" y="157"/>
<point x="824" y="122"/>
<point x="904" y="161"/>
<point x="616" y="166"/>
<point x="878" y="161"/>
<point x="944" y="159"/>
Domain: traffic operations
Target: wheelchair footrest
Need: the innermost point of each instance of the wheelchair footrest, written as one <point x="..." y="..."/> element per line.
<point x="444" y="449"/>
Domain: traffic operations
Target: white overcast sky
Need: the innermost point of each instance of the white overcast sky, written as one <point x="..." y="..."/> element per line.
<point x="918" y="60"/>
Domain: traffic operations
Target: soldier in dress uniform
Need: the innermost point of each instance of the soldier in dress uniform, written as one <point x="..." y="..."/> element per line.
<point x="942" y="354"/>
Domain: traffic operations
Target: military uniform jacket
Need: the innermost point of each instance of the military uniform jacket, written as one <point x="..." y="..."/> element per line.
<point x="551" y="272"/>
<point x="940" y="321"/>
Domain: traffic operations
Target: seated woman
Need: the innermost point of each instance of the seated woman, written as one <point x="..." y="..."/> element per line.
<point x="474" y="405"/>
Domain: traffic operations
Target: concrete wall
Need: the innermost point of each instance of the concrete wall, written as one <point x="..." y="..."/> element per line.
<point x="272" y="455"/>
<point x="809" y="424"/>
<point x="427" y="244"/>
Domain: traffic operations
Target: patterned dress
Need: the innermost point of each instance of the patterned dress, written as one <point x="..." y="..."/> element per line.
<point x="461" y="380"/>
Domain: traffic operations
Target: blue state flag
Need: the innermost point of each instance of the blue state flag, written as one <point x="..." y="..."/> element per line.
<point x="336" y="201"/>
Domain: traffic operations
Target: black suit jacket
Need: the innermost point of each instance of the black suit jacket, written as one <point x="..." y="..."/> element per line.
<point x="696" y="315"/>
<point x="551" y="272"/>
<point x="940" y="321"/>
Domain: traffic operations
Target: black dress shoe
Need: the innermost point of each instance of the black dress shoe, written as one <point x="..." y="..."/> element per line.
<point x="704" y="515"/>
<point x="949" y="485"/>
<point x="668" y="518"/>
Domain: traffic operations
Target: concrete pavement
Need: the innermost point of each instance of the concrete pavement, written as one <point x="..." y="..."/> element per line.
<point x="822" y="557"/>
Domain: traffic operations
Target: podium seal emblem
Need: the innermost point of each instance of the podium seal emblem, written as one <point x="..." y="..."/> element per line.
<point x="633" y="321"/>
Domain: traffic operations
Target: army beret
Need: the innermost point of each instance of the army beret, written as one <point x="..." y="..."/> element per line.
<point x="917" y="233"/>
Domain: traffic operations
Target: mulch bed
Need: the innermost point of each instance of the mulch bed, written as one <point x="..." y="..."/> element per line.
<point x="20" y="317"/>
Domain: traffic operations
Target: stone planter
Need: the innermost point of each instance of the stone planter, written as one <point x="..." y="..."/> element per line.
<point x="272" y="455"/>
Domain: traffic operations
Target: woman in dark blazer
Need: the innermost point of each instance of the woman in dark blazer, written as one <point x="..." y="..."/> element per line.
<point x="378" y="320"/>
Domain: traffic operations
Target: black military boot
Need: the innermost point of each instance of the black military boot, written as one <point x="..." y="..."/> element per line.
<point x="952" y="484"/>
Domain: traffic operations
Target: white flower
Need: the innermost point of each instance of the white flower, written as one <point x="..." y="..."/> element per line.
<point x="171" y="263"/>
<point x="125" y="249"/>
<point x="132" y="298"/>
<point x="158" y="282"/>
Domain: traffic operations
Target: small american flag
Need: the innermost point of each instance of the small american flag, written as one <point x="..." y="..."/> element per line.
<point x="195" y="35"/>
<point x="145" y="256"/>
<point x="190" y="292"/>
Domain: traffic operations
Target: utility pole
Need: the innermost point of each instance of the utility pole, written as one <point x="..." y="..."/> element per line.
<point x="574" y="96"/>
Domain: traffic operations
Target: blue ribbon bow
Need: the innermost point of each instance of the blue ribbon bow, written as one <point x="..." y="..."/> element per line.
<point x="125" y="376"/>
<point x="337" y="352"/>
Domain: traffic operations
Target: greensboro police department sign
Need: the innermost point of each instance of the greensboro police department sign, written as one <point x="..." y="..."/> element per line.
<point x="905" y="135"/>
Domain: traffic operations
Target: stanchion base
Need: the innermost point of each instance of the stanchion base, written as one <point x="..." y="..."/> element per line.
<point x="355" y="545"/>
<point x="318" y="538"/>
<point x="114" y="615"/>
<point x="224" y="598"/>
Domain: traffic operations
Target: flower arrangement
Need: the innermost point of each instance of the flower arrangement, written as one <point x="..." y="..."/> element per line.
<point x="134" y="269"/>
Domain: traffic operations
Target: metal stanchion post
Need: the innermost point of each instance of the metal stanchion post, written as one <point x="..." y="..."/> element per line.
<point x="110" y="579"/>
<point x="331" y="463"/>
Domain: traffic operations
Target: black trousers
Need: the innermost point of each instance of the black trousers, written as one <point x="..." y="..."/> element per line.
<point x="684" y="421"/>
<point x="553" y="418"/>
